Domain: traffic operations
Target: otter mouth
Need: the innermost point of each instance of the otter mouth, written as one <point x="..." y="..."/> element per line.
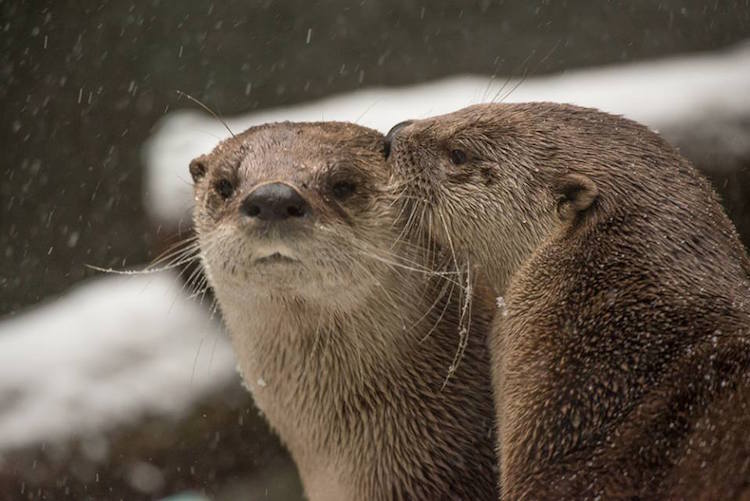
<point x="275" y="258"/>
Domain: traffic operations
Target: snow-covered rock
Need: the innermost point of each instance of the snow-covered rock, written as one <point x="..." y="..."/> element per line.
<point x="104" y="354"/>
<point x="658" y="93"/>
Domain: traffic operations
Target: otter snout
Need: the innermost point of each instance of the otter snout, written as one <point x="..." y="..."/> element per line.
<point x="274" y="202"/>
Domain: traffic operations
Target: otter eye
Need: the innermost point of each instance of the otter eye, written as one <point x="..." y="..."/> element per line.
<point x="224" y="188"/>
<point x="458" y="157"/>
<point x="343" y="189"/>
<point x="197" y="170"/>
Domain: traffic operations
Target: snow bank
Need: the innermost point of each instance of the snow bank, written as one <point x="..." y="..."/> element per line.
<point x="103" y="354"/>
<point x="656" y="93"/>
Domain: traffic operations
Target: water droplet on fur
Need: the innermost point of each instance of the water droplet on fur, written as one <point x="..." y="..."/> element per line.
<point x="500" y="301"/>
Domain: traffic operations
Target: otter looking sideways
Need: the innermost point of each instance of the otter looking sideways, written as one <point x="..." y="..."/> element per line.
<point x="621" y="352"/>
<point x="344" y="326"/>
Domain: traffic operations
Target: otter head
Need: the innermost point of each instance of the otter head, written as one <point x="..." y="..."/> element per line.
<point x="285" y="211"/>
<point x="488" y="181"/>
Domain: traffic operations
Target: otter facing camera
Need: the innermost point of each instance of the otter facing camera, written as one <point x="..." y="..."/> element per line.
<point x="575" y="194"/>
<point x="274" y="202"/>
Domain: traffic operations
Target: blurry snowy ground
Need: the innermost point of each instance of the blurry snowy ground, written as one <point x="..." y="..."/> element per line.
<point x="104" y="354"/>
<point x="116" y="348"/>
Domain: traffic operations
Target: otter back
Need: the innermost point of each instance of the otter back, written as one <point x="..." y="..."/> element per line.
<point x="621" y="357"/>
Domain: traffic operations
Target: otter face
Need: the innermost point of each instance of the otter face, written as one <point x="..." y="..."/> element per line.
<point x="474" y="178"/>
<point x="286" y="211"/>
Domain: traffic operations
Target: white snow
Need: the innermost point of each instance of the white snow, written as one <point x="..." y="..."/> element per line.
<point x="103" y="354"/>
<point x="657" y="93"/>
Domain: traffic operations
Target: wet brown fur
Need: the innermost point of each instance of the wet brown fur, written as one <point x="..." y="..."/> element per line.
<point x="621" y="352"/>
<point x="347" y="349"/>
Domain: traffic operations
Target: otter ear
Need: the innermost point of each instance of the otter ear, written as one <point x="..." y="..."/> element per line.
<point x="198" y="168"/>
<point x="575" y="193"/>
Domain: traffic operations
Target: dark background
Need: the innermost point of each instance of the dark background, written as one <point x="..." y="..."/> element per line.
<point x="82" y="84"/>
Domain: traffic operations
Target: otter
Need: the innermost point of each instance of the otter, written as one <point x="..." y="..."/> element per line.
<point x="621" y="345"/>
<point x="345" y="326"/>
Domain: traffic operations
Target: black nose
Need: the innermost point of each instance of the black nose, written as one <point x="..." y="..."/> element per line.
<point x="391" y="133"/>
<point x="274" y="202"/>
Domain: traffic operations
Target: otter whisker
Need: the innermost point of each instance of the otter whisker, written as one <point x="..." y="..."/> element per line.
<point x="199" y="292"/>
<point x="407" y="264"/>
<point x="407" y="225"/>
<point x="527" y="70"/>
<point x="405" y="267"/>
<point x="176" y="246"/>
<point x="463" y="332"/>
<point x="449" y="288"/>
<point x="121" y="272"/>
<point x="206" y="108"/>
<point x="187" y="286"/>
<point x="449" y="239"/>
<point x="174" y="259"/>
<point x="510" y="75"/>
<point x="465" y="310"/>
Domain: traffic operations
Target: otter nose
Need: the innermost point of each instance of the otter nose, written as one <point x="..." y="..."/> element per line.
<point x="392" y="133"/>
<point x="274" y="202"/>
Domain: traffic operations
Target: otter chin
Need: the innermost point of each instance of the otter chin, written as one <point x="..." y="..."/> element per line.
<point x="621" y="345"/>
<point x="345" y="325"/>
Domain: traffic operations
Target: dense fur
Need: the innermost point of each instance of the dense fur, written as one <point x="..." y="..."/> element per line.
<point x="344" y="327"/>
<point x="621" y="351"/>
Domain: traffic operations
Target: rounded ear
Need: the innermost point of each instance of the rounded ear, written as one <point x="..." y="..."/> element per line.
<point x="198" y="168"/>
<point x="575" y="193"/>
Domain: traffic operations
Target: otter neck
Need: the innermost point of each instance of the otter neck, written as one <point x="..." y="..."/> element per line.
<point x="323" y="379"/>
<point x="499" y="265"/>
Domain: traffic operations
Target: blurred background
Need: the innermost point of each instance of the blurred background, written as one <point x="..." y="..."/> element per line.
<point x="123" y="387"/>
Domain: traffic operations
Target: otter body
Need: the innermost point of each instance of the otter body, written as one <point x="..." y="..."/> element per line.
<point x="343" y="325"/>
<point x="621" y="351"/>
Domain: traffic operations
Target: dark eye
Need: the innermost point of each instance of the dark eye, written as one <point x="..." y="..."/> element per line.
<point x="197" y="170"/>
<point x="224" y="188"/>
<point x="343" y="189"/>
<point x="458" y="157"/>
